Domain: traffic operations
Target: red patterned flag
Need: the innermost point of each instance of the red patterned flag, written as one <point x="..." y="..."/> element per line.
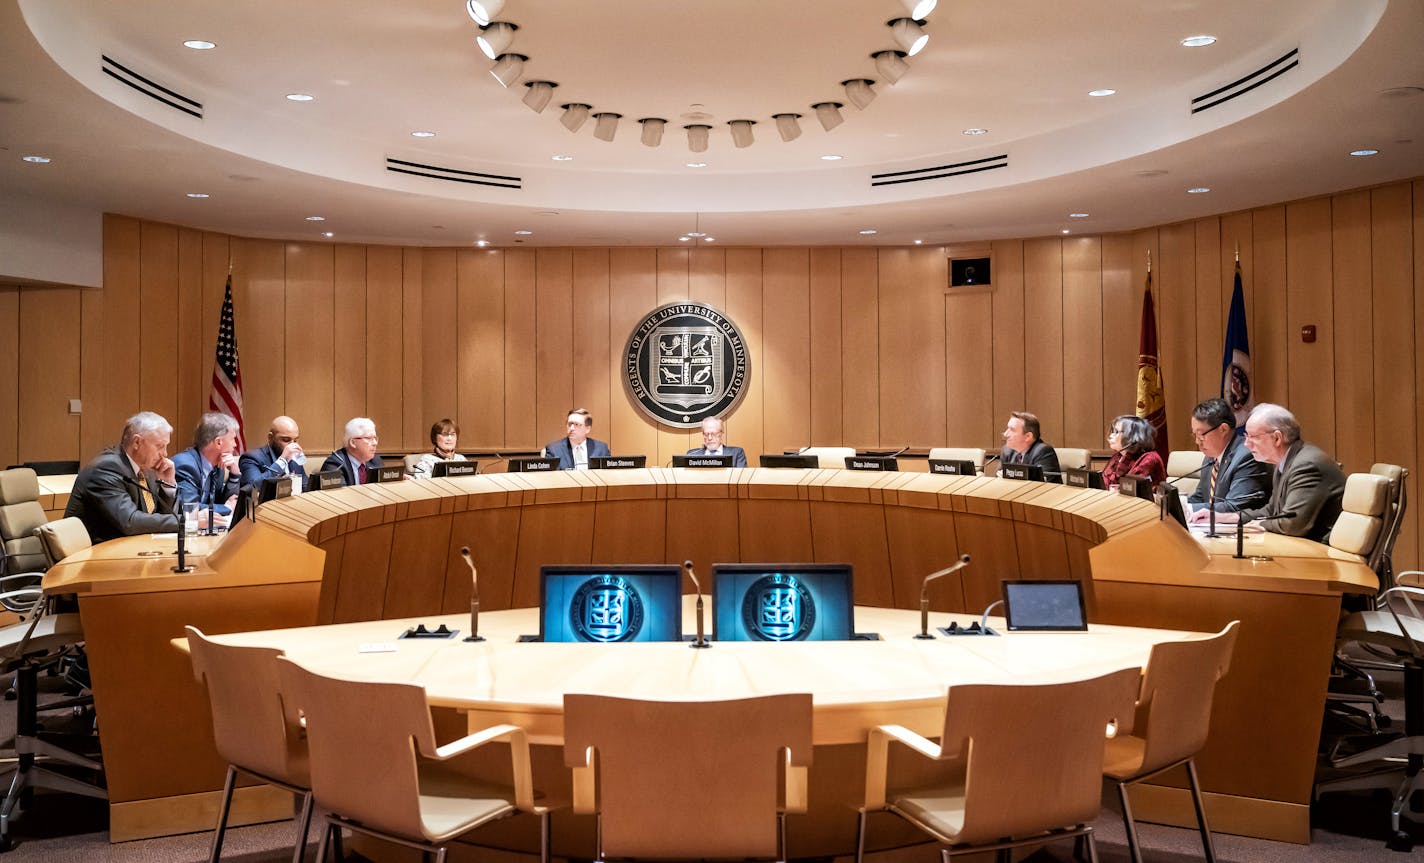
<point x="225" y="396"/>
<point x="1151" y="399"/>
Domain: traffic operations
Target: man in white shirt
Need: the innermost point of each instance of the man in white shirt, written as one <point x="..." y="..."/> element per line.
<point x="574" y="451"/>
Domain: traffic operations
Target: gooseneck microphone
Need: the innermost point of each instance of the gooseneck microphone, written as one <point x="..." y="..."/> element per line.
<point x="1241" y="536"/>
<point x="701" y="637"/>
<point x="925" y="594"/>
<point x="474" y="595"/>
<point x="182" y="533"/>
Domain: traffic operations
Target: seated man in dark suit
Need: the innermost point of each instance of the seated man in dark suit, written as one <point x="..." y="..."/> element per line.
<point x="1022" y="445"/>
<point x="712" y="430"/>
<point x="128" y="490"/>
<point x="357" y="461"/>
<point x="1308" y="484"/>
<point x="1230" y="476"/>
<point x="574" y="451"/>
<point x="282" y="456"/>
<point x="207" y="471"/>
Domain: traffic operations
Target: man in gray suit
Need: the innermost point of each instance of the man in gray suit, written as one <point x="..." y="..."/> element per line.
<point x="128" y="490"/>
<point x="1230" y="477"/>
<point x="1022" y="445"/>
<point x="1308" y="484"/>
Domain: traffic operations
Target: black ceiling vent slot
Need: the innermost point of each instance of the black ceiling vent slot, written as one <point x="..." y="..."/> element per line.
<point x="148" y="87"/>
<point x="1241" y="86"/>
<point x="435" y="172"/>
<point x="958" y="169"/>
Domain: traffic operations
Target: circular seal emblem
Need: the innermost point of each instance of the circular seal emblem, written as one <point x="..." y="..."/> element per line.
<point x="778" y="608"/>
<point x="685" y="362"/>
<point x="606" y="608"/>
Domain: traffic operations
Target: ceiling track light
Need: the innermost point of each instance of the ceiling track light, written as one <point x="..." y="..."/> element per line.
<point x="858" y="92"/>
<point x="891" y="65"/>
<point x="495" y="37"/>
<point x="909" y="34"/>
<point x="742" y="132"/>
<point x="829" y="113"/>
<point x="575" y="115"/>
<point x="697" y="137"/>
<point x="538" y="94"/>
<point x="787" y="126"/>
<point x="652" y="130"/>
<point x="482" y="12"/>
<point x="605" y="125"/>
<point x="508" y="68"/>
<point x="919" y="8"/>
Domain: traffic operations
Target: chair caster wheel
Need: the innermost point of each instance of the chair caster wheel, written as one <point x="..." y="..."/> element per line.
<point x="5" y="844"/>
<point x="1401" y="841"/>
<point x="1381" y="720"/>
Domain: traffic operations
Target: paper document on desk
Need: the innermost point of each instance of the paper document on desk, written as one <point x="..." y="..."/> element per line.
<point x="1200" y="528"/>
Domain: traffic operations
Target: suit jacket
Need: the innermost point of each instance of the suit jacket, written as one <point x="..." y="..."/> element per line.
<point x="341" y="460"/>
<point x="1243" y="483"/>
<point x="1040" y="454"/>
<point x="1309" y="484"/>
<point x="200" y="482"/>
<point x="261" y="463"/>
<point x="107" y="498"/>
<point x="739" y="455"/>
<point x="562" y="450"/>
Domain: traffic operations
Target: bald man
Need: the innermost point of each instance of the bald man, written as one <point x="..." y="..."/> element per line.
<point x="282" y="456"/>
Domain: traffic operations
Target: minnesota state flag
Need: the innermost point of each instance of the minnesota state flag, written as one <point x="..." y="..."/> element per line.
<point x="1236" y="386"/>
<point x="1151" y="400"/>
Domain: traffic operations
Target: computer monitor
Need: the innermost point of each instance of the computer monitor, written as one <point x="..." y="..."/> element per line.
<point x="454" y="468"/>
<point x="957" y="466"/>
<point x="1030" y="472"/>
<point x="783" y="602"/>
<point x="1133" y="485"/>
<point x="1080" y="477"/>
<point x="723" y="460"/>
<point x="323" y="480"/>
<point x="770" y="459"/>
<point x="610" y="603"/>
<point x="617" y="462"/>
<point x="1044" y="606"/>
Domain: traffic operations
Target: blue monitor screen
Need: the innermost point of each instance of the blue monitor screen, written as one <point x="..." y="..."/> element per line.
<point x="610" y="603"/>
<point x="782" y="602"/>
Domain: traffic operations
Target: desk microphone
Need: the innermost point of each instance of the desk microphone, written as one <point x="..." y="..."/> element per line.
<point x="925" y="594"/>
<point x="474" y="595"/>
<point x="701" y="639"/>
<point x="182" y="534"/>
<point x="1240" y="533"/>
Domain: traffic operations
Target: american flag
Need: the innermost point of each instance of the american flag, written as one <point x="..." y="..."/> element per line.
<point x="225" y="396"/>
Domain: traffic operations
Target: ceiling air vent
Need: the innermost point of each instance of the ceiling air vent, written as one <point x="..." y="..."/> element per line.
<point x="939" y="172"/>
<point x="1242" y="86"/>
<point x="148" y="87"/>
<point x="453" y="175"/>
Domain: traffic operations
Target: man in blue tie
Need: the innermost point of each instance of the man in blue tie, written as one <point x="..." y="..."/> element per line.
<point x="207" y="472"/>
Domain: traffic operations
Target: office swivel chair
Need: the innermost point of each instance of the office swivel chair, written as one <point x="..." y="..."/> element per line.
<point x="20" y="514"/>
<point x="1181" y="462"/>
<point x="1073" y="457"/>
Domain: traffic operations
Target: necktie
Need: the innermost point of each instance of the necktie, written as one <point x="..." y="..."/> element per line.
<point x="144" y="493"/>
<point x="1211" y="487"/>
<point x="360" y="474"/>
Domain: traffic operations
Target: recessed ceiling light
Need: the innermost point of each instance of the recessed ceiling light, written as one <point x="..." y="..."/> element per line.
<point x="918" y="242"/>
<point x="316" y="218"/>
<point x="1198" y="41"/>
<point x="562" y="158"/>
<point x="37" y="160"/>
<point x="975" y="132"/>
<point x="831" y="157"/>
<point x="683" y="239"/>
<point x="697" y="233"/>
<point x="868" y="231"/>
<point x="1065" y="230"/>
<point x="300" y="97"/>
<point x="482" y="243"/>
<point x="1151" y="172"/>
<point x="200" y="44"/>
<point x="1077" y="215"/>
<point x="1106" y="91"/>
<point x="524" y="233"/>
<point x="1365" y="152"/>
<point x="696" y="164"/>
<point x="197" y="194"/>
<point x="327" y="234"/>
<point x="421" y="133"/>
<point x="709" y="239"/>
<point x="1199" y="190"/>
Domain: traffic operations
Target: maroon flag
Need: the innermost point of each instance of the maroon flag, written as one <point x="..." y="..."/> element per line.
<point x="1151" y="400"/>
<point x="225" y="395"/>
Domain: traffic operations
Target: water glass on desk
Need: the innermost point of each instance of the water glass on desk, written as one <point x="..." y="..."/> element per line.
<point x="190" y="518"/>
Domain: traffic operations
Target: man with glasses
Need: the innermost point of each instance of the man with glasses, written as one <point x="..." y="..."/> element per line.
<point x="1308" y="484"/>
<point x="1230" y="478"/>
<point x="357" y="461"/>
<point x="712" y="443"/>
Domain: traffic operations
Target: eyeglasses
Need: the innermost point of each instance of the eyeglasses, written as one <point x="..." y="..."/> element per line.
<point x="1200" y="436"/>
<point x="1257" y="435"/>
<point x="369" y="437"/>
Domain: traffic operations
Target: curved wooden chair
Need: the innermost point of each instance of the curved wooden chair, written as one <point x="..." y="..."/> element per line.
<point x="253" y="730"/>
<point x="1170" y="726"/>
<point x="376" y="768"/>
<point x="1024" y="763"/>
<point x="681" y="780"/>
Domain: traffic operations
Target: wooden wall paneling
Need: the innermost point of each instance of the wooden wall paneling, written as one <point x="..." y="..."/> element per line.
<point x="703" y="531"/>
<point x="1352" y="296"/>
<point x="1175" y="285"/>
<point x="631" y="531"/>
<point x="479" y="350"/>
<point x="10" y="375"/>
<point x="1122" y="312"/>
<point x="1394" y="383"/>
<point x="786" y="302"/>
<point x="1311" y="368"/>
<point x="554" y="371"/>
<point x="1008" y="336"/>
<point x="775" y="530"/>
<point x="550" y="534"/>
<point x="1266" y="296"/>
<point x="1083" y="343"/>
<point x="258" y="298"/>
<point x="158" y="299"/>
<point x="1416" y="399"/>
<point x="1043" y="551"/>
<point x="194" y="362"/>
<point x="419" y="551"/>
<point x="521" y="430"/>
<point x="673" y="286"/>
<point x="855" y="533"/>
<point x="920" y="542"/>
<point x="746" y="426"/>
<point x="330" y="580"/>
<point x="1213" y="299"/>
<point x="860" y="344"/>
<point x="707" y="277"/>
<point x="414" y="428"/>
<point x="49" y="373"/>
<point x="94" y="434"/>
<point x="827" y="410"/>
<point x="1043" y="337"/>
<point x="365" y="569"/>
<point x="439" y="346"/>
<point x="990" y="542"/>
<point x="311" y="338"/>
<point x="348" y="372"/>
<point x="596" y="385"/>
<point x="217" y="257"/>
<point x="912" y="395"/>
<point x="968" y="366"/>
<point x="118" y="383"/>
<point x="632" y="294"/>
<point x="385" y="360"/>
<point x="486" y="532"/>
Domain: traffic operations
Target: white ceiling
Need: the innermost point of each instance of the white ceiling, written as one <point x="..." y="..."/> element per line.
<point x="1021" y="69"/>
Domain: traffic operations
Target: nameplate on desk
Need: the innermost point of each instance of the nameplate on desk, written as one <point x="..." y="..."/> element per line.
<point x="956" y="466"/>
<point x="1031" y="472"/>
<point x="388" y="473"/>
<point x="617" y="462"/>
<point x="532" y="465"/>
<point x="455" y="468"/>
<point x="324" y="480"/>
<point x="701" y="461"/>
<point x="864" y="462"/>
<point x="797" y="461"/>
<point x="1082" y="478"/>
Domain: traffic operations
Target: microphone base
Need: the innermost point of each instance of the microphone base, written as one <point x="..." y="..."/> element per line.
<point x="696" y="645"/>
<point x="473" y="638"/>
<point x="182" y="568"/>
<point x="1254" y="558"/>
<point x="924" y="636"/>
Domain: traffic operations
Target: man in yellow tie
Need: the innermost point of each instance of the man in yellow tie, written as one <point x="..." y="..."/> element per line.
<point x="128" y="489"/>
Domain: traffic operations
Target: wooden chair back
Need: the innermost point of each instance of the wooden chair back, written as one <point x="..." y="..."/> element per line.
<point x="1173" y="711"/>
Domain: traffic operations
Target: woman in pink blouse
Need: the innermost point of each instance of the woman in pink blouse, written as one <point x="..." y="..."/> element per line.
<point x="1133" y="442"/>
